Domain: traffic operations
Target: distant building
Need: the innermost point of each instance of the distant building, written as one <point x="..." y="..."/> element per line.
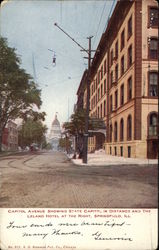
<point x="10" y="137"/>
<point x="5" y="139"/>
<point x="55" y="133"/>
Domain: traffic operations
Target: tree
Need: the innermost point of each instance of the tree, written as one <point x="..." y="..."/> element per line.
<point x="18" y="92"/>
<point x="32" y="132"/>
<point x="65" y="143"/>
<point x="48" y="146"/>
<point x="76" y="127"/>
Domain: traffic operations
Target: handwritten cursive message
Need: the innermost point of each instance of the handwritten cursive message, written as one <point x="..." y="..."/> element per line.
<point x="65" y="229"/>
<point x="43" y="230"/>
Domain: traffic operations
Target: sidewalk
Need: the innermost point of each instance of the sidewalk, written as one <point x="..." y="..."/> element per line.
<point x="7" y="153"/>
<point x="99" y="158"/>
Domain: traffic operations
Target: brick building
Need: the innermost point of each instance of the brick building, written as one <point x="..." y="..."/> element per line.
<point x="10" y="137"/>
<point x="5" y="139"/>
<point x="124" y="81"/>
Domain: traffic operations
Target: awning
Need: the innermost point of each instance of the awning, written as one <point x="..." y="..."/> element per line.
<point x="101" y="131"/>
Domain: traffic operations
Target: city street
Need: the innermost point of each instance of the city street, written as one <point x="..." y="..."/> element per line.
<point x="50" y="179"/>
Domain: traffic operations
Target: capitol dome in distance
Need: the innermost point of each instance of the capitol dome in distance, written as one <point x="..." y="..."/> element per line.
<point x="55" y="133"/>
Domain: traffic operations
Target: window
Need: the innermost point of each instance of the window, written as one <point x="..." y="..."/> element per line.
<point x="116" y="50"/>
<point x="152" y="124"/>
<point x="101" y="90"/>
<point x="115" y="131"/>
<point x="116" y="72"/>
<point x="129" y="88"/>
<point x="130" y="27"/>
<point x="115" y="151"/>
<point x="102" y="72"/>
<point x="111" y="130"/>
<point x="111" y="78"/>
<point x="110" y="149"/>
<point x="101" y="109"/>
<point x="122" y="39"/>
<point x="98" y="94"/>
<point x="104" y="108"/>
<point x="105" y="86"/>
<point x="129" y="151"/>
<point x="130" y="56"/>
<point x="116" y="99"/>
<point x="94" y="86"/>
<point x="122" y="130"/>
<point x="122" y="65"/>
<point x="129" y="128"/>
<point x="105" y="69"/>
<point x="121" y="151"/>
<point x="153" y="84"/>
<point x="98" y="112"/>
<point x="91" y="89"/>
<point x="153" y="17"/>
<point x="111" y="103"/>
<point x="111" y="57"/>
<point x="122" y="94"/>
<point x="98" y="76"/>
<point x="153" y="48"/>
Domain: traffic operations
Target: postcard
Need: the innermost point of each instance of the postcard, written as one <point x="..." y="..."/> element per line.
<point x="78" y="125"/>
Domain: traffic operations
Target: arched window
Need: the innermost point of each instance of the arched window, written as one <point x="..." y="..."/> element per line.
<point x="129" y="128"/>
<point x="122" y="130"/>
<point x="153" y="124"/>
<point x="111" y="132"/>
<point x="115" y="131"/>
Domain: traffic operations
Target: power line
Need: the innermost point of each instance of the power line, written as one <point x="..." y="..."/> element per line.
<point x="71" y="38"/>
<point x="110" y="12"/>
<point x="100" y="21"/>
<point x="88" y="51"/>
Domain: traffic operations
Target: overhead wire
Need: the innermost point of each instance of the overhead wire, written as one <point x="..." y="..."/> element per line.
<point x="69" y="79"/>
<point x="85" y="64"/>
<point x="99" y="22"/>
<point x="110" y="12"/>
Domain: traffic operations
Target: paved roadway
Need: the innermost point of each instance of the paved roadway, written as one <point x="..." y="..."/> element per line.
<point x="49" y="179"/>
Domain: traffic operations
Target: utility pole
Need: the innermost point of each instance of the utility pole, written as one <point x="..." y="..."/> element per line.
<point x="85" y="143"/>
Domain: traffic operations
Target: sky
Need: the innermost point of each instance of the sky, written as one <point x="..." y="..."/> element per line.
<point x="29" y="27"/>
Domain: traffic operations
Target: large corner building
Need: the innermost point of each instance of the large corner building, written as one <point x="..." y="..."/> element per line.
<point x="124" y="81"/>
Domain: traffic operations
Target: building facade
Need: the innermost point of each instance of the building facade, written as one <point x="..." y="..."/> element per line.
<point x="81" y="92"/>
<point x="124" y="81"/>
<point x="5" y="139"/>
<point x="10" y="137"/>
<point x="55" y="134"/>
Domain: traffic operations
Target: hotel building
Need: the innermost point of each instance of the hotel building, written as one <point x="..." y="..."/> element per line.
<point x="124" y="81"/>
